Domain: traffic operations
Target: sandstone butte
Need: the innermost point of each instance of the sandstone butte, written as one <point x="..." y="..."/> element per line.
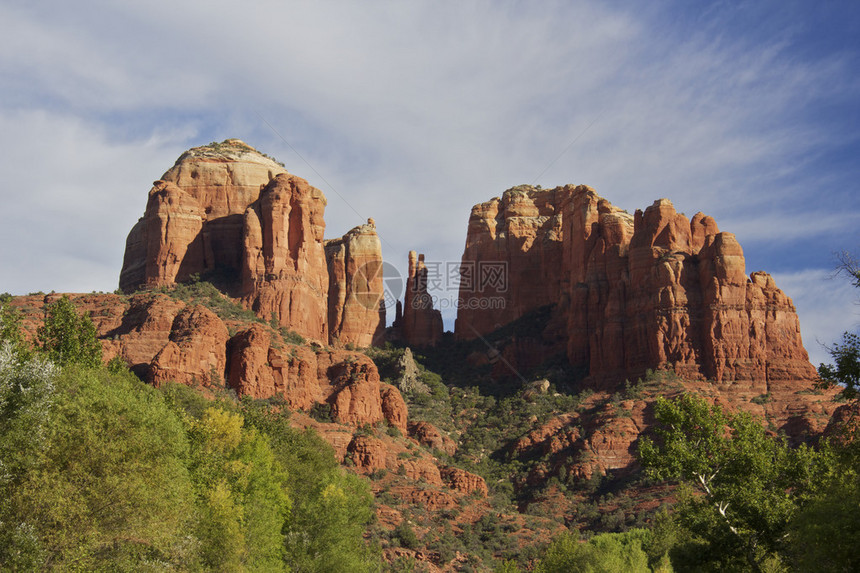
<point x="236" y="217"/>
<point x="653" y="290"/>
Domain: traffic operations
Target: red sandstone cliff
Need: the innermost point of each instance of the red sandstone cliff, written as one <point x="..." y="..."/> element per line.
<point x="422" y="324"/>
<point x="236" y="217"/>
<point x="356" y="309"/>
<point x="284" y="273"/>
<point x="512" y="260"/>
<point x="654" y="290"/>
<point x="193" y="219"/>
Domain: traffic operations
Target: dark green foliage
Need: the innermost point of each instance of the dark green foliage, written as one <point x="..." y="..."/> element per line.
<point x="405" y="535"/>
<point x="292" y="337"/>
<point x="824" y="534"/>
<point x="67" y="338"/>
<point x="321" y="412"/>
<point x="749" y="484"/>
<point x="11" y="331"/>
<point x="846" y="368"/>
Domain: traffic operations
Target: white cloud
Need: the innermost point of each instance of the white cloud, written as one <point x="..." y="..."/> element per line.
<point x="827" y="307"/>
<point x="413" y="112"/>
<point x="70" y="198"/>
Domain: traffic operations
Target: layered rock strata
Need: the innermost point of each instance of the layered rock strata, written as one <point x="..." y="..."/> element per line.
<point x="284" y="275"/>
<point x="237" y="218"/>
<point x="193" y="218"/>
<point x="652" y="290"/>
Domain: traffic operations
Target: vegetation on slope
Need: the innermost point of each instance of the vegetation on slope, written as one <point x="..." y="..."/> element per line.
<point x="99" y="471"/>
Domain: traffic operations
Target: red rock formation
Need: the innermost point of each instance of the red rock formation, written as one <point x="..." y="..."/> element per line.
<point x="193" y="219"/>
<point x="249" y="370"/>
<point x="650" y="291"/>
<point x="394" y="407"/>
<point x="196" y="352"/>
<point x="284" y="273"/>
<point x="368" y="453"/>
<point x="237" y="218"/>
<point x="422" y="469"/>
<point x="511" y="262"/>
<point x="428" y="435"/>
<point x="463" y="481"/>
<point x="165" y="246"/>
<point x="356" y="308"/>
<point x="422" y="325"/>
<point x="347" y="381"/>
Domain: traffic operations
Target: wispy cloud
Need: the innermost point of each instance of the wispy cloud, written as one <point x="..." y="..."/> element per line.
<point x="827" y="306"/>
<point x="416" y="111"/>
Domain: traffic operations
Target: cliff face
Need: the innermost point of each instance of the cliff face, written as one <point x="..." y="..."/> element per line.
<point x="422" y="324"/>
<point x="193" y="219"/>
<point x="653" y="290"/>
<point x="236" y="217"/>
<point x="356" y="309"/>
<point x="284" y="273"/>
<point x="511" y="262"/>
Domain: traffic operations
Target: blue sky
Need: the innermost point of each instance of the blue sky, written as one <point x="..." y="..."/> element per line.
<point x="411" y="112"/>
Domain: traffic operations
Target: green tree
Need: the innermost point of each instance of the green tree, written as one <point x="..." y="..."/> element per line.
<point x="242" y="493"/>
<point x="11" y="331"/>
<point x="95" y="475"/>
<point x="846" y="356"/>
<point x="606" y="553"/>
<point x="747" y="485"/>
<point x="331" y="509"/>
<point x="846" y="367"/>
<point x="69" y="338"/>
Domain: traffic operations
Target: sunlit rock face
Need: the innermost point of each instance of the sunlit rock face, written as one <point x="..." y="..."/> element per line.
<point x="644" y="291"/>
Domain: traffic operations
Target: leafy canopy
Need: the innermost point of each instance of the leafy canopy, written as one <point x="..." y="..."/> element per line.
<point x="748" y="485"/>
<point x="69" y="338"/>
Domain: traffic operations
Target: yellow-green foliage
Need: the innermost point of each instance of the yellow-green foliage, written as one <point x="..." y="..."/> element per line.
<point x="100" y="472"/>
<point x="607" y="553"/>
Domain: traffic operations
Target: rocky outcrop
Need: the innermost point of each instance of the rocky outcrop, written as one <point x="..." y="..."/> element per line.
<point x="347" y="381"/>
<point x="195" y="354"/>
<point x="356" y="305"/>
<point x="429" y="435"/>
<point x="512" y="260"/>
<point x="463" y="481"/>
<point x="367" y="453"/>
<point x="193" y="218"/>
<point x="394" y="407"/>
<point x="284" y="273"/>
<point x="422" y="324"/>
<point x="652" y="290"/>
<point x="235" y="217"/>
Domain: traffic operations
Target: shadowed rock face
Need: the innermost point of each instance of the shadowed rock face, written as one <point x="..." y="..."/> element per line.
<point x="652" y="290"/>
<point x="422" y="324"/>
<point x="236" y="217"/>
